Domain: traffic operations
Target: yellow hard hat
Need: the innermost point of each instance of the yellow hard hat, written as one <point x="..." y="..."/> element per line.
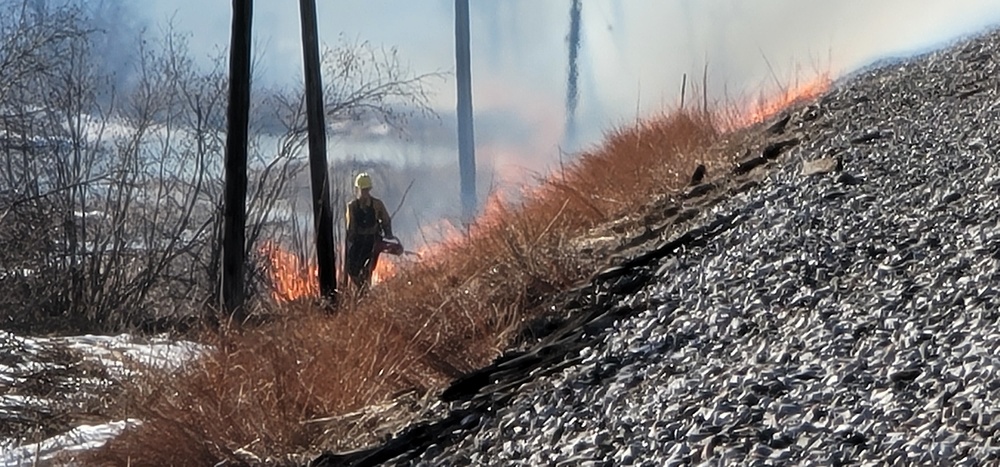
<point x="363" y="181"/>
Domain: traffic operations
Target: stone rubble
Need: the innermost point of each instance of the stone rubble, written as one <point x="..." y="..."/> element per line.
<point x="848" y="316"/>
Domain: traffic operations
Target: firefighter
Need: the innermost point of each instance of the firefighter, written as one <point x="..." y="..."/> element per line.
<point x="367" y="222"/>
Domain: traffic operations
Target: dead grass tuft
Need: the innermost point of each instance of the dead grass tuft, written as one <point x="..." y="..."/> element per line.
<point x="292" y="386"/>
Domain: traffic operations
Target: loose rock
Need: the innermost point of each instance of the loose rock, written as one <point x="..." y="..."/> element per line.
<point x="829" y="321"/>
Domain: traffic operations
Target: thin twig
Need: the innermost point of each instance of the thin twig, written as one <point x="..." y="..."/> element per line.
<point x="553" y="221"/>
<point x="770" y="70"/>
<point x="403" y="199"/>
<point x="54" y="191"/>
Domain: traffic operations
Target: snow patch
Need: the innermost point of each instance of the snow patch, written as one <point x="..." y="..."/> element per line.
<point x="65" y="446"/>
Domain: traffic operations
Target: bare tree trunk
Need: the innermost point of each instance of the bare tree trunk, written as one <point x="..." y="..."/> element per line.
<point x="572" y="94"/>
<point x="322" y="213"/>
<point x="704" y="89"/>
<point x="466" y="141"/>
<point x="234" y="232"/>
<point x="684" y="85"/>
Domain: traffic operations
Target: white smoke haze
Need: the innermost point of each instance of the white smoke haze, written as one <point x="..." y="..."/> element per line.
<point x="632" y="52"/>
<point x="632" y="57"/>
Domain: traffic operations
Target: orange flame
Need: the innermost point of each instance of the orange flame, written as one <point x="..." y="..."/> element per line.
<point x="294" y="279"/>
<point x="769" y="106"/>
<point x="494" y="210"/>
<point x="444" y="232"/>
<point x="436" y="237"/>
<point x="291" y="278"/>
<point x="384" y="269"/>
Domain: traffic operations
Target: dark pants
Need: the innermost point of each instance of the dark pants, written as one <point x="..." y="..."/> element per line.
<point x="359" y="256"/>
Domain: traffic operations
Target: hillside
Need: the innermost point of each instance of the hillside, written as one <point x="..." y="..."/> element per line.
<point x="825" y="296"/>
<point x="833" y="301"/>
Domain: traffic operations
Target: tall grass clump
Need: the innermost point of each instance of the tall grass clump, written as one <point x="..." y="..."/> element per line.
<point x="310" y="381"/>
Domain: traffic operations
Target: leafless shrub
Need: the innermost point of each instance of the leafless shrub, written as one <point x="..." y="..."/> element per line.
<point x="110" y="198"/>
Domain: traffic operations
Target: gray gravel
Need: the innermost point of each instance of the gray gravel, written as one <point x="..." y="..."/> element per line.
<point x="848" y="317"/>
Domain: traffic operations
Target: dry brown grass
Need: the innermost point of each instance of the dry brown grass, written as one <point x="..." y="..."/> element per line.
<point x="288" y="387"/>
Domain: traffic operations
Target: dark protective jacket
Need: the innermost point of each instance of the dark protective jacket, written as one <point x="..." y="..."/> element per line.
<point x="368" y="218"/>
<point x="367" y="221"/>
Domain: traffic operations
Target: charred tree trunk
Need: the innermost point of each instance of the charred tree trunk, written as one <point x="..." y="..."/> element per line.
<point x="320" y="177"/>
<point x="234" y="230"/>
<point x="466" y="140"/>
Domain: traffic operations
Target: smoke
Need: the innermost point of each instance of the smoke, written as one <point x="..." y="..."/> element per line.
<point x="117" y="29"/>
<point x="109" y="31"/>
<point x="630" y="65"/>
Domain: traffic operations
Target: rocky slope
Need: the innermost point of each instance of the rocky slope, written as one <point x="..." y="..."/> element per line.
<point x="842" y="309"/>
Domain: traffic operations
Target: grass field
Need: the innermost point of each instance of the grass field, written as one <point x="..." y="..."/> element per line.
<point x="310" y="380"/>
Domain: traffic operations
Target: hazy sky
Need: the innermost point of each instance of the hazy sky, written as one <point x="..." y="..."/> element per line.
<point x="633" y="53"/>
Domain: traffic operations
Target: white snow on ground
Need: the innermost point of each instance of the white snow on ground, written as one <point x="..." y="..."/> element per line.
<point x="64" y="446"/>
<point x="121" y="355"/>
<point x="117" y="353"/>
<point x="9" y="403"/>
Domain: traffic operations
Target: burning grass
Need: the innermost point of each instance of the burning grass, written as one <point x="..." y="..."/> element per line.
<point x="299" y="384"/>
